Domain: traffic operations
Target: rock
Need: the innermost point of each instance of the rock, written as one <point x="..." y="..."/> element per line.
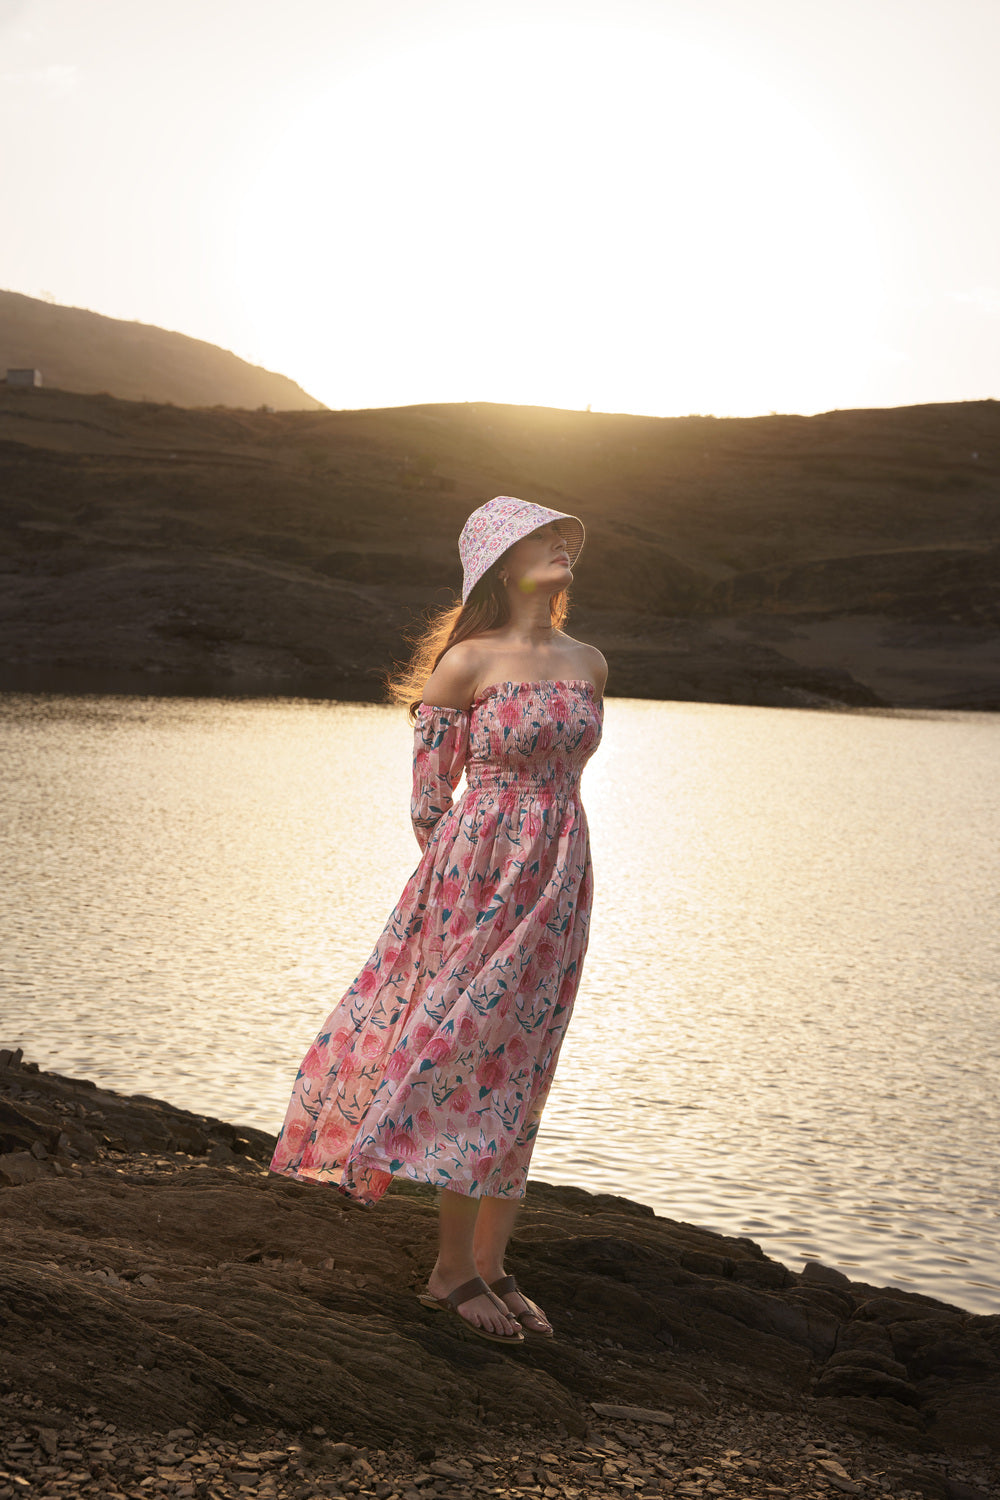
<point x="338" y="1452"/>
<point x="22" y="1128"/>
<point x="866" y="1359"/>
<point x="629" y="1462"/>
<point x="762" y="1273"/>
<point x="921" y="1479"/>
<point x="846" y="1485"/>
<point x="704" y="1264"/>
<point x="446" y="1470"/>
<point x="221" y="1155"/>
<point x="191" y="1296"/>
<point x="848" y="1382"/>
<point x="814" y="1271"/>
<point x="641" y="1414"/>
<point x="957" y="1489"/>
<point x="607" y="1303"/>
<point x="857" y="1335"/>
<point x="949" y="1346"/>
<point x="19" y="1167"/>
<point x="966" y="1416"/>
<point x="891" y="1308"/>
<point x="891" y="1420"/>
<point x="795" y="1322"/>
<point x="861" y="1380"/>
<point x="55" y="1118"/>
<point x="838" y="1303"/>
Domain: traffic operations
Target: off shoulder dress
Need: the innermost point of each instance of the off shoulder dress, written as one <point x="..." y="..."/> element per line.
<point x="436" y="1064"/>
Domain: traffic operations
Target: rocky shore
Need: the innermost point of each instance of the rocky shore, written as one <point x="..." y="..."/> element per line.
<point x="176" y="1321"/>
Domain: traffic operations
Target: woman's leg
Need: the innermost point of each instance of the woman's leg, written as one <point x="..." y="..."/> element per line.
<point x="493" y="1228"/>
<point x="456" y="1262"/>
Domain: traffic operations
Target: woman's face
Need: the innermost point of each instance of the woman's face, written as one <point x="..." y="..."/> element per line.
<point x="539" y="561"/>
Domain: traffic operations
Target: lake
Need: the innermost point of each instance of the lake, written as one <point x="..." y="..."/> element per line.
<point x="792" y="979"/>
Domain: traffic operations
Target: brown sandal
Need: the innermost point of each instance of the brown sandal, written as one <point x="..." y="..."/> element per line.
<point x="475" y="1288"/>
<point x="503" y="1289"/>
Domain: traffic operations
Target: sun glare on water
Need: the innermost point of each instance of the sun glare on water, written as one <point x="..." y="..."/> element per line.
<point x="558" y="216"/>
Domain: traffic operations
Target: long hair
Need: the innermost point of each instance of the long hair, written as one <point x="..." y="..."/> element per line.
<point x="485" y="609"/>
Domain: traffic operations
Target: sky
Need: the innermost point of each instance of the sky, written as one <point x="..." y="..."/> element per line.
<point x="655" y="206"/>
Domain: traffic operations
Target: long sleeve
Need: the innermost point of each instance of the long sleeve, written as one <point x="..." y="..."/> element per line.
<point x="440" y="748"/>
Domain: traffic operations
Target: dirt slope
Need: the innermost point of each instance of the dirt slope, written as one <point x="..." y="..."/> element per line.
<point x="851" y="558"/>
<point x="77" y="350"/>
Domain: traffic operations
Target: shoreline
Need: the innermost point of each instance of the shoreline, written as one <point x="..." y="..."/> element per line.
<point x="859" y="1261"/>
<point x="126" y="686"/>
<point x="177" y="1310"/>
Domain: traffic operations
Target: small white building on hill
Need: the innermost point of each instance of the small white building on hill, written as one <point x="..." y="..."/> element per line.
<point x="24" y="377"/>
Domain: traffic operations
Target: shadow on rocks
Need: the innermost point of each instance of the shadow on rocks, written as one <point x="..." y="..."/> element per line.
<point x="155" y="1270"/>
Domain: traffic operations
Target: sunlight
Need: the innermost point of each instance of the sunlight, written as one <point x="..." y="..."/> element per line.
<point x="559" y="216"/>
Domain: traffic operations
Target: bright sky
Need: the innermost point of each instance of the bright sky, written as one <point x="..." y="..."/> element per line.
<point x="659" y="206"/>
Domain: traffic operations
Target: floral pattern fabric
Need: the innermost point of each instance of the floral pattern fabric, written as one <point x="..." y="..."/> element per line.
<point x="501" y="522"/>
<point x="437" y="1062"/>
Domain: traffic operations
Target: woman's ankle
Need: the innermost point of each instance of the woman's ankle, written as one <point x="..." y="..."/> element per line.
<point x="451" y="1273"/>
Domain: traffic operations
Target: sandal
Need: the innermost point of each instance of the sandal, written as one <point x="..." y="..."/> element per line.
<point x="475" y="1288"/>
<point x="539" y="1323"/>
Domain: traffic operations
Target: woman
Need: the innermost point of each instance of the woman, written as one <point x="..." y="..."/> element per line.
<point x="436" y="1064"/>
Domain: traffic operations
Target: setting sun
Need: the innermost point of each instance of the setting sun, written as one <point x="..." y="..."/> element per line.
<point x="559" y="216"/>
<point x="713" y="207"/>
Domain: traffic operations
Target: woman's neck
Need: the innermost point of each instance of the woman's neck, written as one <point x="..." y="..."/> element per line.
<point x="530" y="622"/>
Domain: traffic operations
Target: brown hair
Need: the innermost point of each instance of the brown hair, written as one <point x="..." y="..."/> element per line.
<point x="485" y="609"/>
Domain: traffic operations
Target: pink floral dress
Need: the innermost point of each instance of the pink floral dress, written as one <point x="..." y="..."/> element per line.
<point x="437" y="1062"/>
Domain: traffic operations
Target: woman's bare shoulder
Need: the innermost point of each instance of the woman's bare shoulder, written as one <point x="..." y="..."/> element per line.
<point x="590" y="662"/>
<point x="452" y="684"/>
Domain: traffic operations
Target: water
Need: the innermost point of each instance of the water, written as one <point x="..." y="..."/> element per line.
<point x="787" y="1026"/>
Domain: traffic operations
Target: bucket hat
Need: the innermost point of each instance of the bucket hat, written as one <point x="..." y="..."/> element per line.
<point x="500" y="523"/>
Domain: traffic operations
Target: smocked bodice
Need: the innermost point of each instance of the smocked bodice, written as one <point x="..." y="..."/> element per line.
<point x="518" y="741"/>
<point x="532" y="736"/>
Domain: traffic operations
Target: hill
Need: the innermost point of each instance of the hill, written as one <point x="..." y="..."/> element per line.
<point x="849" y="558"/>
<point x="77" y="350"/>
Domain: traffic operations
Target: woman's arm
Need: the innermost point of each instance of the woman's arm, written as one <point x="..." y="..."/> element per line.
<point x="453" y="682"/>
<point x="440" y="748"/>
<point x="595" y="667"/>
<point x="599" y="671"/>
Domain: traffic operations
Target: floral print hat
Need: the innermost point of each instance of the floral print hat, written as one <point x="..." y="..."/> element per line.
<point x="500" y="523"/>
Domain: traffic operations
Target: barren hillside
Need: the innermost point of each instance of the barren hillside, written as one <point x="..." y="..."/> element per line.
<point x="852" y="557"/>
<point x="77" y="350"/>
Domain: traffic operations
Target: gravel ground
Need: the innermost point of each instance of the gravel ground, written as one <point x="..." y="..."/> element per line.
<point x="175" y="1322"/>
<point x="737" y="1452"/>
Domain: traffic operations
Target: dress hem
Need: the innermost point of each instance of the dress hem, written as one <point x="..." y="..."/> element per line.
<point x="332" y="1180"/>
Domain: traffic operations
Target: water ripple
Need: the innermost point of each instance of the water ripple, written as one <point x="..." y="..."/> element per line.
<point x="787" y="1023"/>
